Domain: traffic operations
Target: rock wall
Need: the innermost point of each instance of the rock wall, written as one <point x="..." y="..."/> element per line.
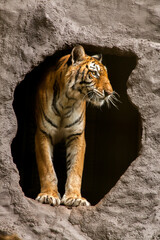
<point x="31" y="31"/>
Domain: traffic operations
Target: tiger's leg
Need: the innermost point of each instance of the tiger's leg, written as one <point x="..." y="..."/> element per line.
<point x="75" y="159"/>
<point x="48" y="180"/>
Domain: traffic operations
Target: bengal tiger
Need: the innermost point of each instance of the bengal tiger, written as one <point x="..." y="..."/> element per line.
<point x="61" y="114"/>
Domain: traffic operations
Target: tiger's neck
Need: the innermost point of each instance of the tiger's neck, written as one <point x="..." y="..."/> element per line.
<point x="65" y="99"/>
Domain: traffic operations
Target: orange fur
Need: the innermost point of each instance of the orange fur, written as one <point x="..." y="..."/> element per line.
<point x="9" y="237"/>
<point x="60" y="113"/>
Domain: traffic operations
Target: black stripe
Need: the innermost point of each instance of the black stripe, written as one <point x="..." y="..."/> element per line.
<point x="55" y="98"/>
<point x="76" y="121"/>
<point x="60" y="75"/>
<point x="80" y="90"/>
<point x="70" y="110"/>
<point x="49" y="120"/>
<point x="46" y="134"/>
<point x="70" y="141"/>
<point x="87" y="83"/>
<point x="71" y="138"/>
<point x="76" y="77"/>
<point x="68" y="155"/>
<point x="69" y="98"/>
<point x="68" y="114"/>
<point x="74" y="134"/>
<point x="83" y="73"/>
<point x="77" y="74"/>
<point x="68" y="164"/>
<point x="69" y="161"/>
<point x="69" y="107"/>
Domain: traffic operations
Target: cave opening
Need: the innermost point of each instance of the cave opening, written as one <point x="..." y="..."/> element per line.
<point x="113" y="136"/>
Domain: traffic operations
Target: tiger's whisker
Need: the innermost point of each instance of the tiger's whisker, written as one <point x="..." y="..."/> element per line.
<point x="87" y="94"/>
<point x="108" y="103"/>
<point x="115" y="93"/>
<point x="112" y="101"/>
<point x="115" y="98"/>
<point x="98" y="93"/>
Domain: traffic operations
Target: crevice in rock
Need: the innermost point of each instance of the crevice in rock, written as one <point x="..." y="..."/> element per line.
<point x="113" y="136"/>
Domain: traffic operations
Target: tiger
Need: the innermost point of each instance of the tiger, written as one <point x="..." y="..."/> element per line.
<point x="61" y="98"/>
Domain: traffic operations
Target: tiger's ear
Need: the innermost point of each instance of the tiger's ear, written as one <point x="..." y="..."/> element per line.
<point x="98" y="57"/>
<point x="77" y="54"/>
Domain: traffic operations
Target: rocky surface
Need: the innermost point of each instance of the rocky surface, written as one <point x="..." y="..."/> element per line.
<point x="31" y="31"/>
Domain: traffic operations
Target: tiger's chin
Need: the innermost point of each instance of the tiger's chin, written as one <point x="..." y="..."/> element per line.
<point x="97" y="103"/>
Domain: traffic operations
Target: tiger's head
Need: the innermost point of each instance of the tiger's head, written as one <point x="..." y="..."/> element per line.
<point x="89" y="78"/>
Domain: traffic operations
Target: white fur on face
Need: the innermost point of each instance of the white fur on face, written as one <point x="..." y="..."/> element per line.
<point x="95" y="68"/>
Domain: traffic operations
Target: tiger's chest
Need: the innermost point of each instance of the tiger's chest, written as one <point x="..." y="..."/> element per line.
<point x="67" y="116"/>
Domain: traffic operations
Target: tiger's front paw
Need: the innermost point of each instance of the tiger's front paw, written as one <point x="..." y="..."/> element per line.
<point x="52" y="199"/>
<point x="74" y="201"/>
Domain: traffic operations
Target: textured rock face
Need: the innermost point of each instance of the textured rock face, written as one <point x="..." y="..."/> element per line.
<point x="31" y="31"/>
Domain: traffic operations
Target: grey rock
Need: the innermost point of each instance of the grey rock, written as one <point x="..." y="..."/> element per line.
<point x="31" y="31"/>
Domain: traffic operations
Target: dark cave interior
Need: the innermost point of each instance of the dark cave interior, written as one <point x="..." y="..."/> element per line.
<point x="113" y="136"/>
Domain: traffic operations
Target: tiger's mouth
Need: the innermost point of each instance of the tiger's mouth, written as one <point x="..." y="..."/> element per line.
<point x="99" y="98"/>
